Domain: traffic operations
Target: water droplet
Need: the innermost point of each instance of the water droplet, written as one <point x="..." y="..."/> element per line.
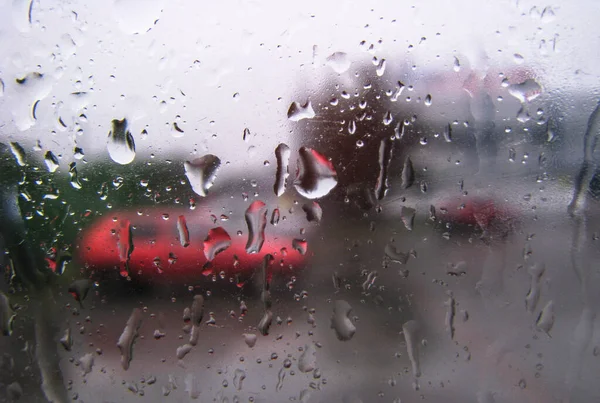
<point x="282" y="154"/>
<point x="386" y="150"/>
<point x="216" y="242"/>
<point x="380" y="70"/>
<point x="246" y="135"/>
<point x="297" y="112"/>
<point x="256" y="219"/>
<point x="512" y="154"/>
<point x="545" y="320"/>
<point x="176" y="131"/>
<point x="408" y="217"/>
<point x="518" y="58"/>
<point x="183" y="350"/>
<point x="78" y="153"/>
<point x="340" y="320"/>
<point x="125" y="245"/>
<point x="121" y="146"/>
<point x="86" y="363"/>
<point x="408" y="174"/>
<point x="191" y="386"/>
<point x="313" y="211"/>
<point x="522" y="384"/>
<point x="448" y="133"/>
<point x="339" y="62"/>
<point x="315" y="176"/>
<point x="352" y="127"/>
<point x="394" y="255"/>
<point x="265" y="322"/>
<point x="523" y="115"/>
<point x="238" y="378"/>
<point x="51" y="161"/>
<point x="427" y="101"/>
<point x="202" y="172"/>
<point x="388" y="118"/>
<point x="450" y="305"/>
<point x="456" y="66"/>
<point x="19" y="153"/>
<point x="130" y="332"/>
<point x="66" y="340"/>
<point x="300" y="245"/>
<point x="79" y="289"/>
<point x="308" y="360"/>
<point x="280" y="378"/>
<point x="533" y="295"/>
<point x="182" y="230"/>
<point x="275" y="217"/>
<point x="250" y="339"/>
<point x="526" y="91"/>
<point x="410" y="330"/>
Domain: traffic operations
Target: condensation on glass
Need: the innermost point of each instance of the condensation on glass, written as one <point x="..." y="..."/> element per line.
<point x="308" y="202"/>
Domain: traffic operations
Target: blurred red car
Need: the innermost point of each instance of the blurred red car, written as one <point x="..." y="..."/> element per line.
<point x="180" y="245"/>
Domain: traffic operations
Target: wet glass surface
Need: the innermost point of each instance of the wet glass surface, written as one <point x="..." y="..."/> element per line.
<point x="306" y="202"/>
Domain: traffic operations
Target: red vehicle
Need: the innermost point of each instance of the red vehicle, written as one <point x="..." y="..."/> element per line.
<point x="183" y="245"/>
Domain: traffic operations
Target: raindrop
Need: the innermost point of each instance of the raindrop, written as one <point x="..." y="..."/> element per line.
<point x="340" y="320"/>
<point x="300" y="245"/>
<point x="176" y="131"/>
<point x="202" y="172"/>
<point x="338" y="61"/>
<point x="125" y="245"/>
<point x="386" y="150"/>
<point x="78" y="153"/>
<point x="121" y="146"/>
<point x="387" y="118"/>
<point x="408" y="174"/>
<point x="407" y="215"/>
<point x="308" y="360"/>
<point x="450" y="305"/>
<point x="216" y="242"/>
<point x="238" y="378"/>
<point x="86" y="362"/>
<point x="73" y="177"/>
<point x="51" y="161"/>
<point x="282" y="154"/>
<point x="533" y="295"/>
<point x="182" y="230"/>
<point x="410" y="330"/>
<point x="130" y="332"/>
<point x="18" y="152"/>
<point x="67" y="340"/>
<point x="265" y="323"/>
<point x="280" y="378"/>
<point x="313" y="211"/>
<point x="352" y="127"/>
<point x="512" y="154"/>
<point x="428" y="100"/>
<point x="394" y="255"/>
<point x="256" y="219"/>
<point x="79" y="289"/>
<point x="456" y="66"/>
<point x="275" y="217"/>
<point x="545" y="320"/>
<point x="526" y="91"/>
<point x="380" y="68"/>
<point x="182" y="351"/>
<point x="250" y="339"/>
<point x="297" y="112"/>
<point x="246" y="135"/>
<point x="315" y="176"/>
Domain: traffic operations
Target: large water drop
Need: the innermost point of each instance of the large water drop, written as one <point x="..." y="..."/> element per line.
<point x="216" y="242"/>
<point x="282" y="154"/>
<point x="340" y="321"/>
<point x="315" y="176"/>
<point x="130" y="332"/>
<point x="256" y="219"/>
<point x="297" y="112"/>
<point x="202" y="172"/>
<point x="339" y="62"/>
<point x="121" y="146"/>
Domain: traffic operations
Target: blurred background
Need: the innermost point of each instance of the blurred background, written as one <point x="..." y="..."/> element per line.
<point x="311" y="201"/>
